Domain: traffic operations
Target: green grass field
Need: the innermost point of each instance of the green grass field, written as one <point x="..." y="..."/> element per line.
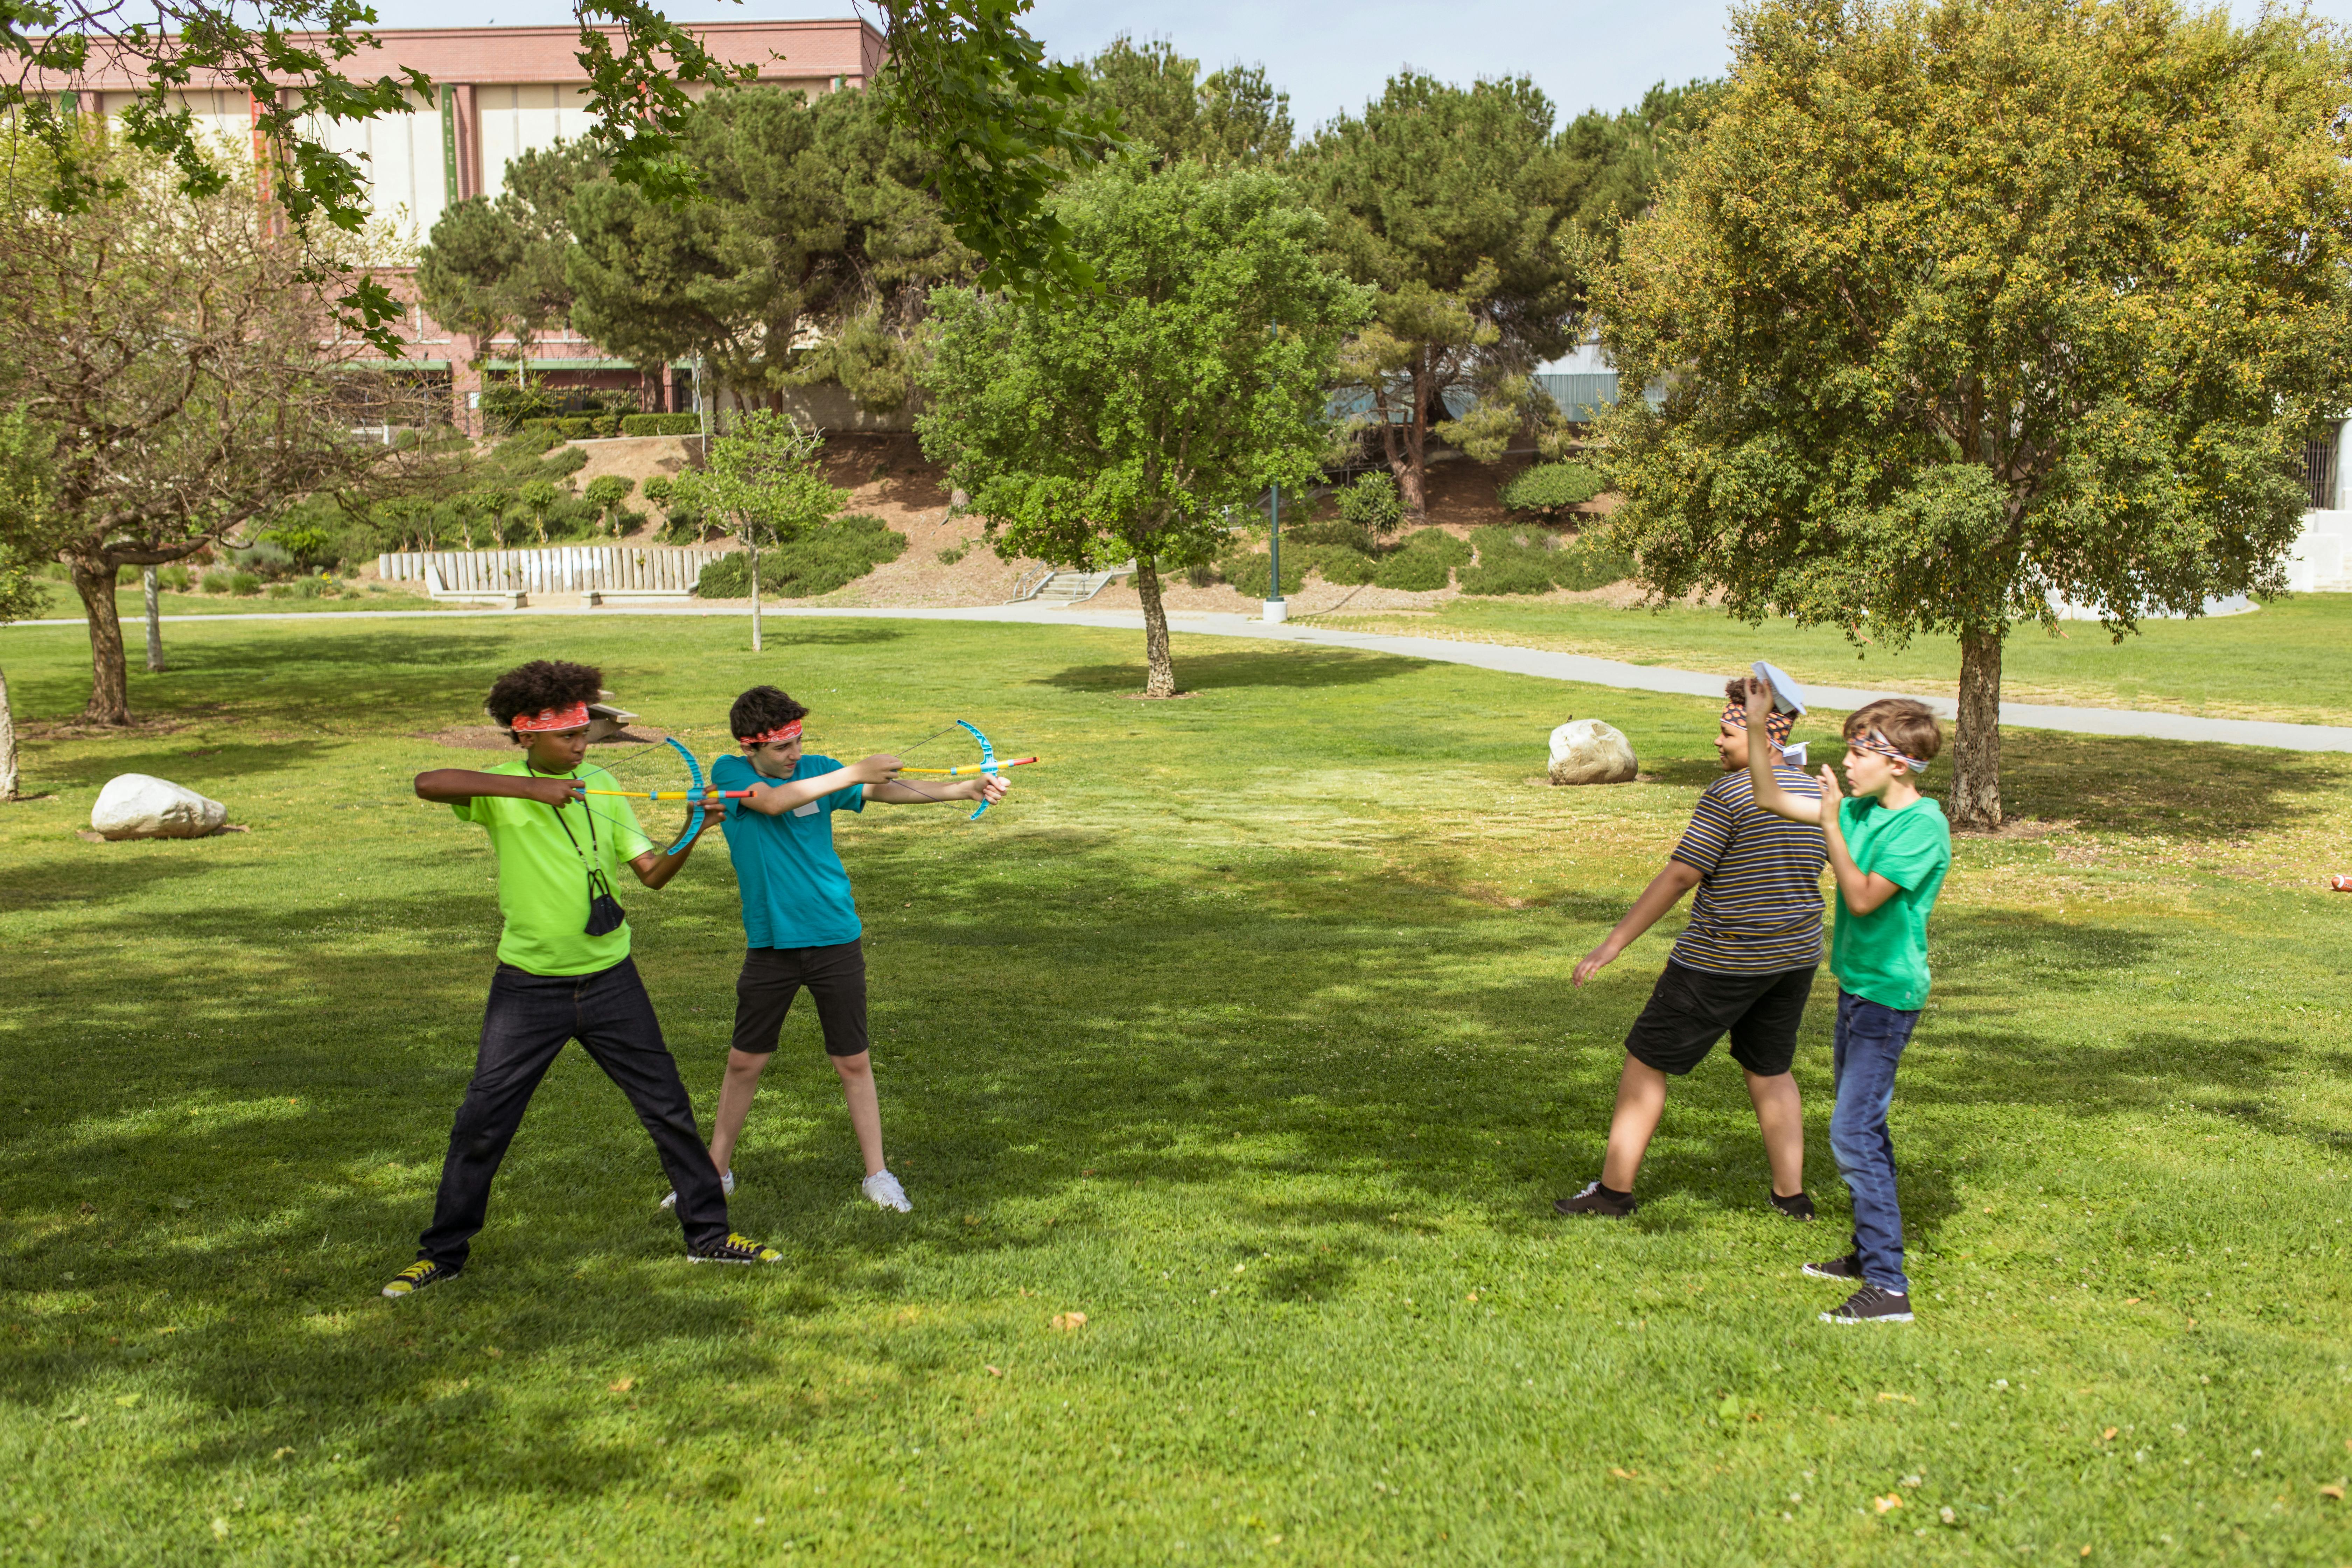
<point x="131" y="604"/>
<point x="2283" y="661"/>
<point x="1245" y="1029"/>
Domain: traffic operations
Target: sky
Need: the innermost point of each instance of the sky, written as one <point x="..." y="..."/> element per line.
<point x="1584" y="54"/>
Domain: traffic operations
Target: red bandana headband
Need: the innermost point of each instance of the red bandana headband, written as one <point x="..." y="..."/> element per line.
<point x="549" y="719"/>
<point x="791" y="731"/>
<point x="1874" y="742"/>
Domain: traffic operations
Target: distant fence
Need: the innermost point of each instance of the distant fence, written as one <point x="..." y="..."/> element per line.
<point x="559" y="569"/>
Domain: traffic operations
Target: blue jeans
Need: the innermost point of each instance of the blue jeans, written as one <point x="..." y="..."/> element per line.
<point x="1870" y="1041"/>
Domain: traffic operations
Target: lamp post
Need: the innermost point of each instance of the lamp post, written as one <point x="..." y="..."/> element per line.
<point x="1278" y="608"/>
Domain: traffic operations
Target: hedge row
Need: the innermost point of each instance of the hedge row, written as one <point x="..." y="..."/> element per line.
<point x="840" y="553"/>
<point x="661" y="425"/>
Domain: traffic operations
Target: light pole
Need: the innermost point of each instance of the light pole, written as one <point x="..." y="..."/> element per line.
<point x="1278" y="608"/>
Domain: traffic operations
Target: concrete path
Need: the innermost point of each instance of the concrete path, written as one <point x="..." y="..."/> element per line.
<point x="1537" y="662"/>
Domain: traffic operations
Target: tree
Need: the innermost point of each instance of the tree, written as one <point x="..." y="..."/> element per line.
<point x="606" y="493"/>
<point x="1003" y="123"/>
<point x="1965" y="303"/>
<point x="805" y="258"/>
<point x="1623" y="159"/>
<point x="171" y="351"/>
<point x="538" y="498"/>
<point x="1451" y="203"/>
<point x="1140" y="420"/>
<point x="496" y="269"/>
<point x="29" y="534"/>
<point x="765" y="479"/>
<point x="1158" y="98"/>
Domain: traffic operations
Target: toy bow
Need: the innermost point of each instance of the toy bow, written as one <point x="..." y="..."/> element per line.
<point x="988" y="766"/>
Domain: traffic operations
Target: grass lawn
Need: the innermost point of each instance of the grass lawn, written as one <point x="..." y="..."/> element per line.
<point x="1245" y="1029"/>
<point x="131" y="604"/>
<point x="2283" y="661"/>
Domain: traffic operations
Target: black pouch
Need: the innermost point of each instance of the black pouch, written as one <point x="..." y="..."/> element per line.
<point x="605" y="914"/>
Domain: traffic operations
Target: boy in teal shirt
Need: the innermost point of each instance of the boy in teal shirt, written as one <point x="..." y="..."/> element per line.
<point x="563" y="972"/>
<point x="1889" y="848"/>
<point x="800" y="917"/>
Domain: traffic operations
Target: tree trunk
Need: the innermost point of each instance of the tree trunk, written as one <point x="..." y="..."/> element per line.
<point x="1975" y="778"/>
<point x="1160" y="677"/>
<point x="8" y="743"/>
<point x="1412" y="483"/>
<point x="109" y="698"/>
<point x="154" y="624"/>
<point x="754" y="545"/>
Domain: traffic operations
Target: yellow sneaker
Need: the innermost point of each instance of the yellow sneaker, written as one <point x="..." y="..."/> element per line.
<point x="417" y="1276"/>
<point x="735" y="1249"/>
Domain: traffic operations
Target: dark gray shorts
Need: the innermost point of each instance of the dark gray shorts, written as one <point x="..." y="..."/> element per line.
<point x="772" y="976"/>
<point x="1690" y="1009"/>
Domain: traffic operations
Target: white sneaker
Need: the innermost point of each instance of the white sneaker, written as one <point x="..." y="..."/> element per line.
<point x="884" y="1189"/>
<point x="725" y="1183"/>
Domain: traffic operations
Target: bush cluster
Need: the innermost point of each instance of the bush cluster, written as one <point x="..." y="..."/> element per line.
<point x="578" y="426"/>
<point x="1522" y="558"/>
<point x="661" y="425"/>
<point x="1553" y="490"/>
<point x="839" y="553"/>
<point x="1342" y="551"/>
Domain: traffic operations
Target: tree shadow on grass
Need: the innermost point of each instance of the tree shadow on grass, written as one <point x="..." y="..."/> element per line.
<point x="1227" y="671"/>
<point x="2165" y="789"/>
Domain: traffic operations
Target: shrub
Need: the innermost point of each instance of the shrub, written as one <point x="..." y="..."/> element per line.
<point x="314" y="588"/>
<point x="658" y="488"/>
<point x="1512" y="559"/>
<point x="281" y="590"/>
<point x="1348" y="567"/>
<point x="1589" y="564"/>
<point x="1413" y="571"/>
<point x="661" y="425"/>
<point x="246" y="584"/>
<point x="954" y="552"/>
<point x="174" y="578"/>
<point x="839" y="553"/>
<point x="1253" y="571"/>
<point x="1551" y="488"/>
<point x="1372" y="504"/>
<point x="217" y="583"/>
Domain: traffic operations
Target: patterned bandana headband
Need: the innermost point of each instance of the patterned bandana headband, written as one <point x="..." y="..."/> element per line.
<point x="548" y="721"/>
<point x="1776" y="724"/>
<point x="791" y="731"/>
<point x="1874" y="742"/>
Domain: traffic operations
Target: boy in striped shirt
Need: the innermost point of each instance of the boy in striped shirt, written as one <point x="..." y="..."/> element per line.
<point x="1744" y="964"/>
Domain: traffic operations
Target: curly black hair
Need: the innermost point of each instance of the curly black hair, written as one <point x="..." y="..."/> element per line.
<point x="543" y="683"/>
<point x="761" y="710"/>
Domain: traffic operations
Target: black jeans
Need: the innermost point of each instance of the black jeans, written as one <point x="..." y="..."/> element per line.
<point x="530" y="1019"/>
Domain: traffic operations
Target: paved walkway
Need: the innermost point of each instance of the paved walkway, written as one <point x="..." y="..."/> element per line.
<point x="1537" y="662"/>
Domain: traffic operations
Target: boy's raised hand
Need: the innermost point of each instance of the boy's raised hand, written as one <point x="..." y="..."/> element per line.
<point x="1830" y="790"/>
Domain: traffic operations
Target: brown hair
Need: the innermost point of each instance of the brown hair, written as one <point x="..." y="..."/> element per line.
<point x="1736" y="688"/>
<point x="1909" y="726"/>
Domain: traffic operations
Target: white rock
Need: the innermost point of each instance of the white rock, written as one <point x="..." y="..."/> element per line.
<point x="1587" y="752"/>
<point x="138" y="806"/>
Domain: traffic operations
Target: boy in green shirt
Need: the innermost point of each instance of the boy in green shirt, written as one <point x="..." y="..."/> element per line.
<point x="564" y="971"/>
<point x="1889" y="848"/>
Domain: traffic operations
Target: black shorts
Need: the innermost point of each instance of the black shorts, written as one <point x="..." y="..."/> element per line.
<point x="1690" y="1008"/>
<point x="772" y="976"/>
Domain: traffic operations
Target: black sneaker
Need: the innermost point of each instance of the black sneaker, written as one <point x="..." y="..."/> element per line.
<point x="417" y="1276"/>
<point x="1592" y="1200"/>
<point x="1797" y="1207"/>
<point x="735" y="1249"/>
<point x="1848" y="1268"/>
<point x="1872" y="1304"/>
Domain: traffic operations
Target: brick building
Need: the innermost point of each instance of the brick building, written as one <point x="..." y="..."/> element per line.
<point x="498" y="92"/>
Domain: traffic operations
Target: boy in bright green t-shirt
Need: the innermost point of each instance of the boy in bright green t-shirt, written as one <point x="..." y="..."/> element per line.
<point x="564" y="971"/>
<point x="1889" y="848"/>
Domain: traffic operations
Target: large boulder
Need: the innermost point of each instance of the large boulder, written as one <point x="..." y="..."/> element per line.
<point x="139" y="806"/>
<point x="1588" y="752"/>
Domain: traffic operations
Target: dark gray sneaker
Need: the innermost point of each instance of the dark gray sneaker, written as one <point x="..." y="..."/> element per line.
<point x="1872" y="1304"/>
<point x="1799" y="1207"/>
<point x="1592" y="1200"/>
<point x="1847" y="1269"/>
